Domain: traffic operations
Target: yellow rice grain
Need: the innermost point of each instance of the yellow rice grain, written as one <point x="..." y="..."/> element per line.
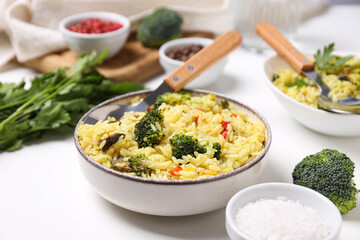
<point x="102" y="144"/>
<point x="308" y="94"/>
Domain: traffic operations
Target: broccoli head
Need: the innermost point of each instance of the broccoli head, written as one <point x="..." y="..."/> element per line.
<point x="183" y="145"/>
<point x="136" y="164"/>
<point x="224" y="104"/>
<point x="217" y="147"/>
<point x="330" y="173"/>
<point x="159" y="27"/>
<point x="173" y="98"/>
<point x="149" y="130"/>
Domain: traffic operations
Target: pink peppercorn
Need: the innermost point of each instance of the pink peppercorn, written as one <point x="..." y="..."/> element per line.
<point x="95" y="26"/>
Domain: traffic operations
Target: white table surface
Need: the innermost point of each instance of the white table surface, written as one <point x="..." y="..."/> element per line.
<point x="43" y="194"/>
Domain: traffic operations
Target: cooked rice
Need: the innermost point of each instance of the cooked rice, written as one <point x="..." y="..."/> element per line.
<point x="245" y="141"/>
<point x="308" y="94"/>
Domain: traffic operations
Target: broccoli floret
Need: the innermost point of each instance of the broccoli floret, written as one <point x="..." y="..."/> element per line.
<point x="149" y="130"/>
<point x="173" y="98"/>
<point x="136" y="164"/>
<point x="224" y="104"/>
<point x="217" y="147"/>
<point x="159" y="27"/>
<point x="275" y="76"/>
<point x="330" y="173"/>
<point x="183" y="145"/>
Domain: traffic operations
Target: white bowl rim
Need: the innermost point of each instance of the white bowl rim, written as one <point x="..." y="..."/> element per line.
<point x="181" y="41"/>
<point x="175" y="182"/>
<point x="100" y="14"/>
<point x="230" y="205"/>
<point x="315" y="110"/>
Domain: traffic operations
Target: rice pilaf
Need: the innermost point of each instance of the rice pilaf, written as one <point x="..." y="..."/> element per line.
<point x="303" y="90"/>
<point x="203" y="117"/>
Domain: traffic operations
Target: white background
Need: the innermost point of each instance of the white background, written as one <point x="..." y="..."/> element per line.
<point x="43" y="194"/>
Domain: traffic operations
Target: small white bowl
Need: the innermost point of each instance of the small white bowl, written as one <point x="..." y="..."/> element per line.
<point x="171" y="197"/>
<point x="342" y="125"/>
<point x="170" y="65"/>
<point x="306" y="196"/>
<point x="86" y="43"/>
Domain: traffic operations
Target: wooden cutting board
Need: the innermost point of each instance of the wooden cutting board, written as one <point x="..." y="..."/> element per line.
<point x="134" y="63"/>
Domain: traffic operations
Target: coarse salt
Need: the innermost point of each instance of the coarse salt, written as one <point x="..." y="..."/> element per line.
<point x="280" y="219"/>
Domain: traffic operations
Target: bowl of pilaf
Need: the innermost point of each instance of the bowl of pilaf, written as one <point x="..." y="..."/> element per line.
<point x="298" y="95"/>
<point x="187" y="154"/>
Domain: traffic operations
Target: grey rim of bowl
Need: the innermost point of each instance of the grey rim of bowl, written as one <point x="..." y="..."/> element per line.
<point x="165" y="47"/>
<point x="302" y="104"/>
<point x="174" y="182"/>
<point x="232" y="202"/>
<point x="64" y="22"/>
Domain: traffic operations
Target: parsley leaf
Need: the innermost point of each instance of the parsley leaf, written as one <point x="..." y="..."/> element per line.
<point x="328" y="63"/>
<point x="298" y="82"/>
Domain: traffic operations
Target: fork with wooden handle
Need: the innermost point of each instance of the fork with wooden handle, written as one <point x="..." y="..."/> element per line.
<point x="176" y="80"/>
<point x="303" y="65"/>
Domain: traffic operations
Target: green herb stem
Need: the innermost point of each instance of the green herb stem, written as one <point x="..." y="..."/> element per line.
<point x="34" y="98"/>
<point x="40" y="108"/>
<point x="15" y="103"/>
<point x="19" y="110"/>
<point x="52" y="95"/>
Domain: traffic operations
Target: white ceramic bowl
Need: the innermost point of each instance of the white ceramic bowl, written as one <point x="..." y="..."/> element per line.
<point x="306" y="196"/>
<point x="318" y="120"/>
<point x="86" y="43"/>
<point x="170" y="65"/>
<point x="171" y="198"/>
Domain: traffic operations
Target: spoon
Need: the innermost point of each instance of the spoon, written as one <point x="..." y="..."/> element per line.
<point x="174" y="82"/>
<point x="306" y="67"/>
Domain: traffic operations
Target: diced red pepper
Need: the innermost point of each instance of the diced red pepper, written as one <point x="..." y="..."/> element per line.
<point x="196" y="118"/>
<point x="234" y="115"/>
<point x="149" y="108"/>
<point x="175" y="170"/>
<point x="224" y="125"/>
<point x="201" y="109"/>
<point x="348" y="73"/>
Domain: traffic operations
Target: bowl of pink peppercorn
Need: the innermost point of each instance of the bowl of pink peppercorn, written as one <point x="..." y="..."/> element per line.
<point x="89" y="31"/>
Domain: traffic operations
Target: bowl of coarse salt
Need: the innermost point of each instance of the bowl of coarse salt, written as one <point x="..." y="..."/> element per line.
<point x="281" y="211"/>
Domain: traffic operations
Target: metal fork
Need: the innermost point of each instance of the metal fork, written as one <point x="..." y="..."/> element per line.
<point x="175" y="81"/>
<point x="304" y="66"/>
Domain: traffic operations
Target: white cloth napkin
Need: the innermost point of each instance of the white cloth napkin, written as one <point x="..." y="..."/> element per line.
<point x="28" y="28"/>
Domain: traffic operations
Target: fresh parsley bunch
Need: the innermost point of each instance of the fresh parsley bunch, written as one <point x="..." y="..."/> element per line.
<point x="55" y="101"/>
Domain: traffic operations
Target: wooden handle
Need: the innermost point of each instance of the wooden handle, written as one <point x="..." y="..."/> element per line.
<point x="204" y="59"/>
<point x="283" y="47"/>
